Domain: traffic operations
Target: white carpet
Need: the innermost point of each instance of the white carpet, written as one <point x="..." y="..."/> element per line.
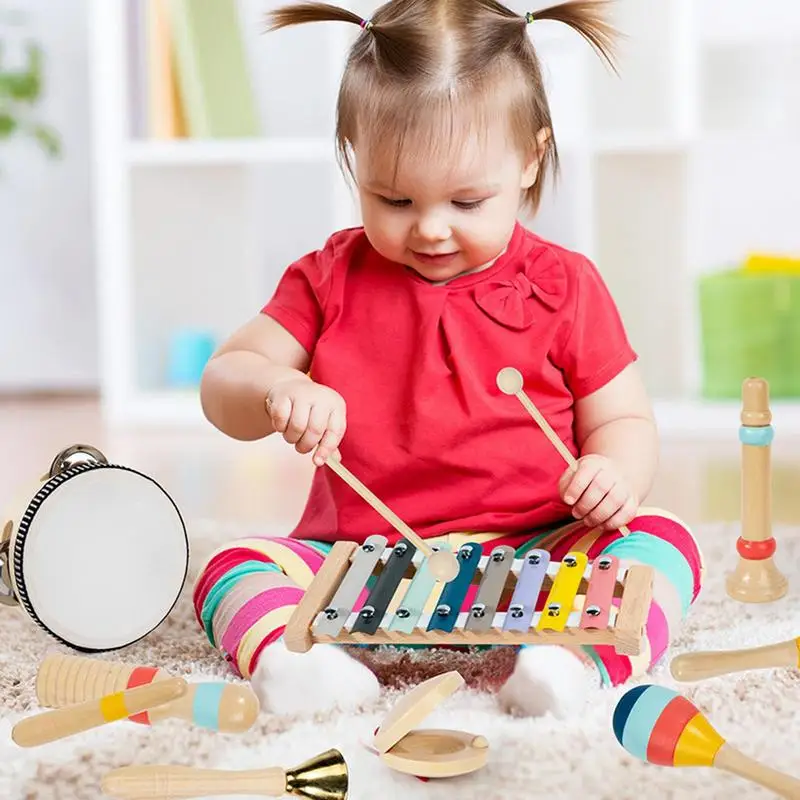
<point x="759" y="712"/>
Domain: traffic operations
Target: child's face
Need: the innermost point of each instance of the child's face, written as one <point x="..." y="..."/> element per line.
<point x="443" y="217"/>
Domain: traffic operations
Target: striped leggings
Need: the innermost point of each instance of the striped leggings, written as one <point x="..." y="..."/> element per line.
<point x="248" y="589"/>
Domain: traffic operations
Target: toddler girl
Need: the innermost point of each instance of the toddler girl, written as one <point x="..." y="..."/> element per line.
<point x="385" y="343"/>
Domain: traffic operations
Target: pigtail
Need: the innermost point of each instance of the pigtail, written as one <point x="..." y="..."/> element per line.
<point x="588" y="18"/>
<point x="398" y="40"/>
<point x="302" y="13"/>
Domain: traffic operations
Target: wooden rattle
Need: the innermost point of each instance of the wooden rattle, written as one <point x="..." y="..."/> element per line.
<point x="64" y="722"/>
<point x="756" y="579"/>
<point x="442" y="564"/>
<point x="511" y="382"/>
<point x="95" y="553"/>
<point x="219" y="706"/>
<point x="428" y="753"/>
<point x="322" y="778"/>
<point x="659" y="726"/>
<point x="710" y="664"/>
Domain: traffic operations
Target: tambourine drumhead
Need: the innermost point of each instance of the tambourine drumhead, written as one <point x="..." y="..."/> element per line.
<point x="100" y="557"/>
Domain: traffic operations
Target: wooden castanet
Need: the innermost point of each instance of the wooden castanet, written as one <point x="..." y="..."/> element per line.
<point x="428" y="753"/>
<point x="603" y="603"/>
<point x="67" y="721"/>
<point x="660" y="726"/>
<point x="441" y="564"/>
<point x="215" y="705"/>
<point x="710" y="664"/>
<point x="511" y="382"/>
<point x="324" y="777"/>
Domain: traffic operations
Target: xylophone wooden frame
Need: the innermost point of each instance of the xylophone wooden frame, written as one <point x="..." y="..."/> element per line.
<point x="625" y="635"/>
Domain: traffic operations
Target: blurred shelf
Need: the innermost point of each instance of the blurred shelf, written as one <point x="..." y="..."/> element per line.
<point x="639" y="143"/>
<point x="676" y="418"/>
<point x="742" y="21"/>
<point x="719" y="418"/>
<point x="233" y="151"/>
<point x="164" y="408"/>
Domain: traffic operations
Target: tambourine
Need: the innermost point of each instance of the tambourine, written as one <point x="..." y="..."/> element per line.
<point x="98" y="557"/>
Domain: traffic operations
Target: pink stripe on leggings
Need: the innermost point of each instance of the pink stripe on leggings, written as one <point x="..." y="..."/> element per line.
<point x="256" y="608"/>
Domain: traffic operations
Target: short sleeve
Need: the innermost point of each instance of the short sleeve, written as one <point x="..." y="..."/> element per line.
<point x="595" y="345"/>
<point x="301" y="295"/>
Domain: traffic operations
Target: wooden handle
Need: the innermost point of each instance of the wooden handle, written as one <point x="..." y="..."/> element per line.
<point x="67" y="721"/>
<point x="389" y="515"/>
<point x="175" y="782"/>
<point x="710" y="664"/>
<point x="442" y="564"/>
<point x="731" y="760"/>
<point x="510" y="381"/>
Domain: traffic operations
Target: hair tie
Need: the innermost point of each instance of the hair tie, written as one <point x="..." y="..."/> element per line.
<point x="366" y="24"/>
<point x="529" y="17"/>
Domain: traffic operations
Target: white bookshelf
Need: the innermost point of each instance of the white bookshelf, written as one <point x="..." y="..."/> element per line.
<point x="680" y="166"/>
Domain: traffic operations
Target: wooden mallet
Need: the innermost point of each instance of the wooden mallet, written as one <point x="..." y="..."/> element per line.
<point x="443" y="564"/>
<point x="324" y="777"/>
<point x="511" y="382"/>
<point x="63" y="722"/>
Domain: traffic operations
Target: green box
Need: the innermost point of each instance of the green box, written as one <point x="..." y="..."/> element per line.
<point x="750" y="326"/>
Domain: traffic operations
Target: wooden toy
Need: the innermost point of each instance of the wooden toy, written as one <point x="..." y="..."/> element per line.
<point x="324" y="777"/>
<point x="441" y="564"/>
<point x="756" y="579"/>
<point x="662" y="727"/>
<point x="601" y="603"/>
<point x="511" y="382"/>
<point x="710" y="664"/>
<point x="95" y="553"/>
<point x="224" y="707"/>
<point x="427" y="753"/>
<point x="63" y="722"/>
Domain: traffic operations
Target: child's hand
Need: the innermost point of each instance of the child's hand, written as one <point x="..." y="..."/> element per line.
<point x="598" y="493"/>
<point x="308" y="415"/>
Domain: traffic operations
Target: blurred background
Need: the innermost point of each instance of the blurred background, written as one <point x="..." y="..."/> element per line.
<point x="162" y="161"/>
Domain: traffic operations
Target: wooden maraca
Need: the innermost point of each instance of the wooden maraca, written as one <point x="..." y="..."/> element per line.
<point x="216" y="705"/>
<point x="442" y="564"/>
<point x="511" y="382"/>
<point x="712" y="663"/>
<point x="63" y="722"/>
<point x="324" y="777"/>
<point x="660" y="726"/>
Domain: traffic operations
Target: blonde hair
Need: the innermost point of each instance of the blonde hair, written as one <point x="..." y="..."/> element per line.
<point x="419" y="63"/>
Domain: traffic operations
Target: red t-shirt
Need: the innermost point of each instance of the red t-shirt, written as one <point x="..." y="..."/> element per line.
<point x="428" y="431"/>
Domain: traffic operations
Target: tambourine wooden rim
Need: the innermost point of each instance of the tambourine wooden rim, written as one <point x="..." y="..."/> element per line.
<point x="14" y="563"/>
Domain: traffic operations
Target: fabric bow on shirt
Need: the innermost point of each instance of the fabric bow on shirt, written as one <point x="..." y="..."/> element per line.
<point x="517" y="303"/>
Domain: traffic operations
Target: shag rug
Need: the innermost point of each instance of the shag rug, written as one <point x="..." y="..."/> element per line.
<point x="758" y="712"/>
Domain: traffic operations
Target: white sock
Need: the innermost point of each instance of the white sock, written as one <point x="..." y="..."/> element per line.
<point x="320" y="680"/>
<point x="547" y="678"/>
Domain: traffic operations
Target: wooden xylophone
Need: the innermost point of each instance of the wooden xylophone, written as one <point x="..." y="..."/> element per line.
<point x="375" y="594"/>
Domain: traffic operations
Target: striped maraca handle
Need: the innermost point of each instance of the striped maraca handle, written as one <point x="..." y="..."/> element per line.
<point x="216" y="705"/>
<point x="660" y="726"/>
<point x="710" y="664"/>
<point x="67" y="721"/>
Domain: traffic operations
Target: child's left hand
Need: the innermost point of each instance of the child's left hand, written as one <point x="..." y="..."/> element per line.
<point x="599" y="494"/>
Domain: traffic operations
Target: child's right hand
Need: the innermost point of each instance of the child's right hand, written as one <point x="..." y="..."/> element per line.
<point x="308" y="415"/>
